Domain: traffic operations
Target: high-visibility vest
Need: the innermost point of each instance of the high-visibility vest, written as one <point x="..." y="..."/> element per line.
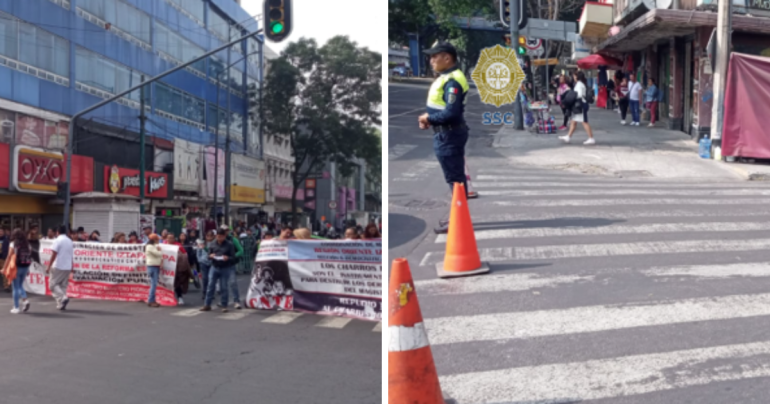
<point x="436" y="93"/>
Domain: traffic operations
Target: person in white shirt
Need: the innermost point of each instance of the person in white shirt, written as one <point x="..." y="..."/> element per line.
<point x="634" y="94"/>
<point x="61" y="261"/>
<point x="580" y="110"/>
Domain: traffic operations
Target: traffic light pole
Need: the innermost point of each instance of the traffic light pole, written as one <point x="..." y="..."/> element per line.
<point x="70" y="146"/>
<point x="514" y="24"/>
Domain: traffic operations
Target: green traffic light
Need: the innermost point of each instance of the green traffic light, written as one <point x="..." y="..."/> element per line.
<point x="277" y="27"/>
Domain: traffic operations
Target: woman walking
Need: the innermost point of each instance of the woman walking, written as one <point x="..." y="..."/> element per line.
<point x="623" y="100"/>
<point x="154" y="258"/>
<point x="20" y="255"/>
<point x="580" y="111"/>
<point x="563" y="88"/>
<point x="651" y="100"/>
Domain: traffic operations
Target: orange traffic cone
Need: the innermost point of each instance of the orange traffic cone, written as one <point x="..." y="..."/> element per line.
<point x="412" y="376"/>
<point x="471" y="193"/>
<point x="462" y="256"/>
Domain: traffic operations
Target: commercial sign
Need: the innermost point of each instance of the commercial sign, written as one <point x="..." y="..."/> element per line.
<point x="284" y="192"/>
<point x="337" y="278"/>
<point x="187" y="165"/>
<point x="37" y="171"/>
<point x="126" y="181"/>
<point x="212" y="160"/>
<point x="5" y="175"/>
<point x="247" y="179"/>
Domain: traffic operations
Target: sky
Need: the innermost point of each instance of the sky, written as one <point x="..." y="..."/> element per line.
<point x="323" y="20"/>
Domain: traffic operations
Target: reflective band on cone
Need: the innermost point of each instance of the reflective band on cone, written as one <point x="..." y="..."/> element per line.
<point x="407" y="338"/>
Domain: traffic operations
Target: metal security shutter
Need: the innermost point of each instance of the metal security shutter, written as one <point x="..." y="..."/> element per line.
<point x="93" y="220"/>
<point x="124" y="222"/>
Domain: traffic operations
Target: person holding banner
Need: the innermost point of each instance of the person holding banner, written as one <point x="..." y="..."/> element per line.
<point x="221" y="253"/>
<point x="371" y="232"/>
<point x="154" y="258"/>
<point x="61" y="262"/>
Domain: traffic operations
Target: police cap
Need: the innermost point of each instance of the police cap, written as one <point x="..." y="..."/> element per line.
<point x="442" y="47"/>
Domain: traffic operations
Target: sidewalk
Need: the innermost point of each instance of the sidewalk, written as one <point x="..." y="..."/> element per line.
<point x="620" y="151"/>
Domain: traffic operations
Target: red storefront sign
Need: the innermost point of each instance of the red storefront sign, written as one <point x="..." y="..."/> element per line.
<point x="39" y="171"/>
<point x="126" y="181"/>
<point x="5" y="175"/>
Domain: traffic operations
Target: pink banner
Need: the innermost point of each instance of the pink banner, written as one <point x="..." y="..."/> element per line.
<point x="211" y="159"/>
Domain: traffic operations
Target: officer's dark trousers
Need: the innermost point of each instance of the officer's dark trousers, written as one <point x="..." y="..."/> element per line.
<point x="450" y="152"/>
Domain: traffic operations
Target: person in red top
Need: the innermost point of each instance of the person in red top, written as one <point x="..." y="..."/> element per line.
<point x="170" y="239"/>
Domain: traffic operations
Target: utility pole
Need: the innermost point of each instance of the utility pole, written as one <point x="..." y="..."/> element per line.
<point x="142" y="119"/>
<point x="216" y="154"/>
<point x="724" y="26"/>
<point x="227" y="139"/>
<point x="514" y="24"/>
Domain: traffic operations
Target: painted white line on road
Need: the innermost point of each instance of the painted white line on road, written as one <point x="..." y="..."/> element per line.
<point x="419" y="171"/>
<point x="522" y="282"/>
<point x="578" y="320"/>
<point x="378" y="327"/>
<point x="664" y="192"/>
<point x="630" y="202"/>
<point x="235" y="316"/>
<point x="399" y="150"/>
<point x="408" y="112"/>
<point x="482" y="182"/>
<point x="607" y="250"/>
<point x="333" y="322"/>
<point x="562" y="383"/>
<point x="603" y="230"/>
<point x="283" y="317"/>
<point x="187" y="313"/>
<point x="481" y="219"/>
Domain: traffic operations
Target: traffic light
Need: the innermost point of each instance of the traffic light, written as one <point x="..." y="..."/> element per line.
<point x="61" y="190"/>
<point x="505" y="12"/>
<point x="521" y="49"/>
<point x="277" y="14"/>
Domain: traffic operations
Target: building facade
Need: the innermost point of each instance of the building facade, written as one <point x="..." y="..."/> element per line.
<point x="58" y="57"/>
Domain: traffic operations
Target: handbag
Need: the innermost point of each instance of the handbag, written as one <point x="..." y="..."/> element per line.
<point x="10" y="269"/>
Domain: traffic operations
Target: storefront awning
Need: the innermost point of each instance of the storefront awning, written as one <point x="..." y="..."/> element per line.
<point x="661" y="24"/>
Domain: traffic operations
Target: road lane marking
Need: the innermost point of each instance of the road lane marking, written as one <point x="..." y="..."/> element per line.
<point x="399" y="150"/>
<point x="522" y="282"/>
<point x="408" y="112"/>
<point x="378" y="327"/>
<point x="591" y="319"/>
<point x="282" y="317"/>
<point x="187" y="313"/>
<point x="562" y="383"/>
<point x="707" y="227"/>
<point x="482" y="219"/>
<point x="482" y="181"/>
<point x="419" y="171"/>
<point x="607" y="250"/>
<point x="333" y="322"/>
<point x="234" y="316"/>
<point x="664" y="192"/>
<point x="630" y="202"/>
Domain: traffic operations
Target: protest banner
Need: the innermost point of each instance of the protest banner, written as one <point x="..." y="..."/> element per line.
<point x="342" y="278"/>
<point x="105" y="271"/>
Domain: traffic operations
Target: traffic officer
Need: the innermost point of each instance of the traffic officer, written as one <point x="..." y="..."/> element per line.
<point x="445" y="108"/>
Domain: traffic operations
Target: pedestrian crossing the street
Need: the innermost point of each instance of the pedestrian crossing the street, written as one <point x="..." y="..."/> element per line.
<point x="632" y="291"/>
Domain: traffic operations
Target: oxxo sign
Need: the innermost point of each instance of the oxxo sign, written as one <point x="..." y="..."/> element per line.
<point x="37" y="171"/>
<point x="126" y="181"/>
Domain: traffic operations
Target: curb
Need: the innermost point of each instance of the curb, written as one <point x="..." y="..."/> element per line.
<point x="746" y="174"/>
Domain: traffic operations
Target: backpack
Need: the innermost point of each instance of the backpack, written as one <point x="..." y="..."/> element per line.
<point x="590" y="96"/>
<point x="23" y="257"/>
<point x="568" y="99"/>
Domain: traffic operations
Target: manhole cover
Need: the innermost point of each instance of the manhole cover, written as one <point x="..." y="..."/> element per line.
<point x="420" y="204"/>
<point x="633" y="173"/>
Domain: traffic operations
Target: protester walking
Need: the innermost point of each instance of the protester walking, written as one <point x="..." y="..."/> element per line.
<point x="192" y="258"/>
<point x="146" y="232"/>
<point x="154" y="258"/>
<point x="61" y="263"/>
<point x="94" y="237"/>
<point x="5" y="242"/>
<point x="16" y="269"/>
<point x="302" y="234"/>
<point x="204" y="262"/>
<point x="371" y="232"/>
<point x="651" y="97"/>
<point x="623" y="99"/>
<point x="580" y="110"/>
<point x="634" y="95"/>
<point x="351" y="233"/>
<point x="221" y="252"/>
<point x="563" y="88"/>
<point x="232" y="281"/>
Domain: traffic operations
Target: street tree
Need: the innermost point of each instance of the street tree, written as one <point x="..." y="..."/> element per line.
<point x="326" y="100"/>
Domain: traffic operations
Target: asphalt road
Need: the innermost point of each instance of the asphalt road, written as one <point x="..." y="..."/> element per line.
<point x="100" y="352"/>
<point x="602" y="290"/>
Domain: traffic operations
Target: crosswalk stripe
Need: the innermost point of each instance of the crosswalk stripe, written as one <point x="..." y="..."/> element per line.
<point x="582" y="191"/>
<point x="282" y="317"/>
<point x="333" y="322"/>
<point x="518" y="282"/>
<point x="606" y="378"/>
<point x="187" y="313"/>
<point x="400" y="150"/>
<point x="708" y="227"/>
<point x="498" y="326"/>
<point x="418" y="171"/>
<point x="630" y="202"/>
<point x="483" y="181"/>
<point x="607" y="250"/>
<point x="378" y="327"/>
<point x="234" y="316"/>
<point x="479" y="219"/>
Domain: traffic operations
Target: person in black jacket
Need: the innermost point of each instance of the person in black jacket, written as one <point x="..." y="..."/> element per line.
<point x="222" y="255"/>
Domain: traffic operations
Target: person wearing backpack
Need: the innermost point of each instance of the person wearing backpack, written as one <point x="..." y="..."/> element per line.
<point x="580" y="110"/>
<point x="20" y="255"/>
<point x="651" y="97"/>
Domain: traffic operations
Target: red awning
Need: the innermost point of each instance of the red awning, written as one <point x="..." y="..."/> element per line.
<point x="594" y="61"/>
<point x="744" y="130"/>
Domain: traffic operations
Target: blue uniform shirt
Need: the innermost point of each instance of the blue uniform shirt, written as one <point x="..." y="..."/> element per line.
<point x="452" y="142"/>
